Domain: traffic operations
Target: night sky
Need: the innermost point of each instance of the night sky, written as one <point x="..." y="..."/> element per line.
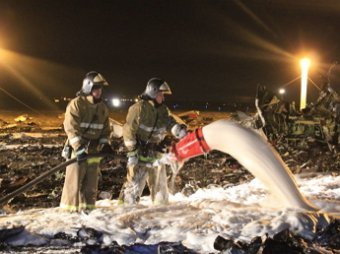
<point x="206" y="50"/>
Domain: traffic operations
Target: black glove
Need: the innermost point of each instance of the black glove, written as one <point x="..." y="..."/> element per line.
<point x="164" y="146"/>
<point x="106" y="149"/>
<point x="144" y="151"/>
<point x="81" y="154"/>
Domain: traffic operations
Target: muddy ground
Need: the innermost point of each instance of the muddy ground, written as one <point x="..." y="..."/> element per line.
<point x="32" y="145"/>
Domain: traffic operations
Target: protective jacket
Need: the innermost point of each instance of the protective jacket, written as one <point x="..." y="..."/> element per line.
<point x="146" y="123"/>
<point x="146" y="126"/>
<point x="86" y="121"/>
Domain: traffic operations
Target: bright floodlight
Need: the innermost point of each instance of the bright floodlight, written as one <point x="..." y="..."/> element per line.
<point x="115" y="102"/>
<point x="282" y="91"/>
<point x="304" y="63"/>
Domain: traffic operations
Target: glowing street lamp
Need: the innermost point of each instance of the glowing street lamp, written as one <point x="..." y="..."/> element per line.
<point x="304" y="63"/>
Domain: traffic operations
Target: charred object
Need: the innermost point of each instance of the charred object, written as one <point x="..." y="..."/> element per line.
<point x="316" y="125"/>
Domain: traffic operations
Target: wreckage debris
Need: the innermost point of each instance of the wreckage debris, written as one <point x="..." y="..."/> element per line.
<point x="318" y="124"/>
<point x="9" y="232"/>
<point x="160" y="248"/>
<point x="88" y="240"/>
<point x="303" y="154"/>
<point x="3" y="123"/>
<point x="308" y="141"/>
<point x="285" y="242"/>
<point x="229" y="246"/>
<point x="22" y="118"/>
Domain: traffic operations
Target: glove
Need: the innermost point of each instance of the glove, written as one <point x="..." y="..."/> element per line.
<point x="144" y="151"/>
<point x="148" y="153"/>
<point x="164" y="146"/>
<point x="81" y="154"/>
<point x="106" y="149"/>
<point x="179" y="130"/>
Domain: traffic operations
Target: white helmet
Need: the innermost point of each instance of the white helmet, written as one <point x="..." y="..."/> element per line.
<point x="91" y="80"/>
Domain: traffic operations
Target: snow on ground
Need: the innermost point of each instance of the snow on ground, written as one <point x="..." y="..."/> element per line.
<point x="240" y="212"/>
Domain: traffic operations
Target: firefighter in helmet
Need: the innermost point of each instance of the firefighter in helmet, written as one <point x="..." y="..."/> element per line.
<point x="147" y="123"/>
<point x="87" y="128"/>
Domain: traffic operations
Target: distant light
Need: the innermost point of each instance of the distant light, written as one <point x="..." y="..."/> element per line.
<point x="136" y="100"/>
<point x="282" y="91"/>
<point x="115" y="102"/>
<point x="56" y="100"/>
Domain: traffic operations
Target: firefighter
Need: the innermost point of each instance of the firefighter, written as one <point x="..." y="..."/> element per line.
<point x="87" y="128"/>
<point x="147" y="123"/>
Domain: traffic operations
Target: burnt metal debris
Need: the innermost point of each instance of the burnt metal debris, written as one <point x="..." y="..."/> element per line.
<point x="308" y="139"/>
<point x="318" y="123"/>
<point x="325" y="241"/>
<point x="87" y="240"/>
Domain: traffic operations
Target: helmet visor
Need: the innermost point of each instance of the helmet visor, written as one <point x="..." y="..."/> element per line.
<point x="165" y="88"/>
<point x="100" y="80"/>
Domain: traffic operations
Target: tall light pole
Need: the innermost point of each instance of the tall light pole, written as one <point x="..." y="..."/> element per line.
<point x="304" y="63"/>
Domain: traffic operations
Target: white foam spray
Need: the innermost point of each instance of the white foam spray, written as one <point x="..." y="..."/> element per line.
<point x="258" y="157"/>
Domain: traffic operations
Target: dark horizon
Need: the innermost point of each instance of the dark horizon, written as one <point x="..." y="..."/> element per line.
<point x="215" y="51"/>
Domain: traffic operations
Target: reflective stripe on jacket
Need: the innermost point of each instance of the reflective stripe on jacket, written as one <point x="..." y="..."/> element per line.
<point x="140" y="122"/>
<point x="85" y="120"/>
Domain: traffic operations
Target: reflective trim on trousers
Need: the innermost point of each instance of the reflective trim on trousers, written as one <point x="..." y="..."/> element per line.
<point x="94" y="160"/>
<point x="83" y="206"/>
<point x="69" y="208"/>
<point x="73" y="208"/>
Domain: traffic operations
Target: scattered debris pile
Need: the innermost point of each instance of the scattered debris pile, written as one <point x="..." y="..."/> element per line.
<point x="308" y="140"/>
<point x="325" y="241"/>
<point x="87" y="240"/>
